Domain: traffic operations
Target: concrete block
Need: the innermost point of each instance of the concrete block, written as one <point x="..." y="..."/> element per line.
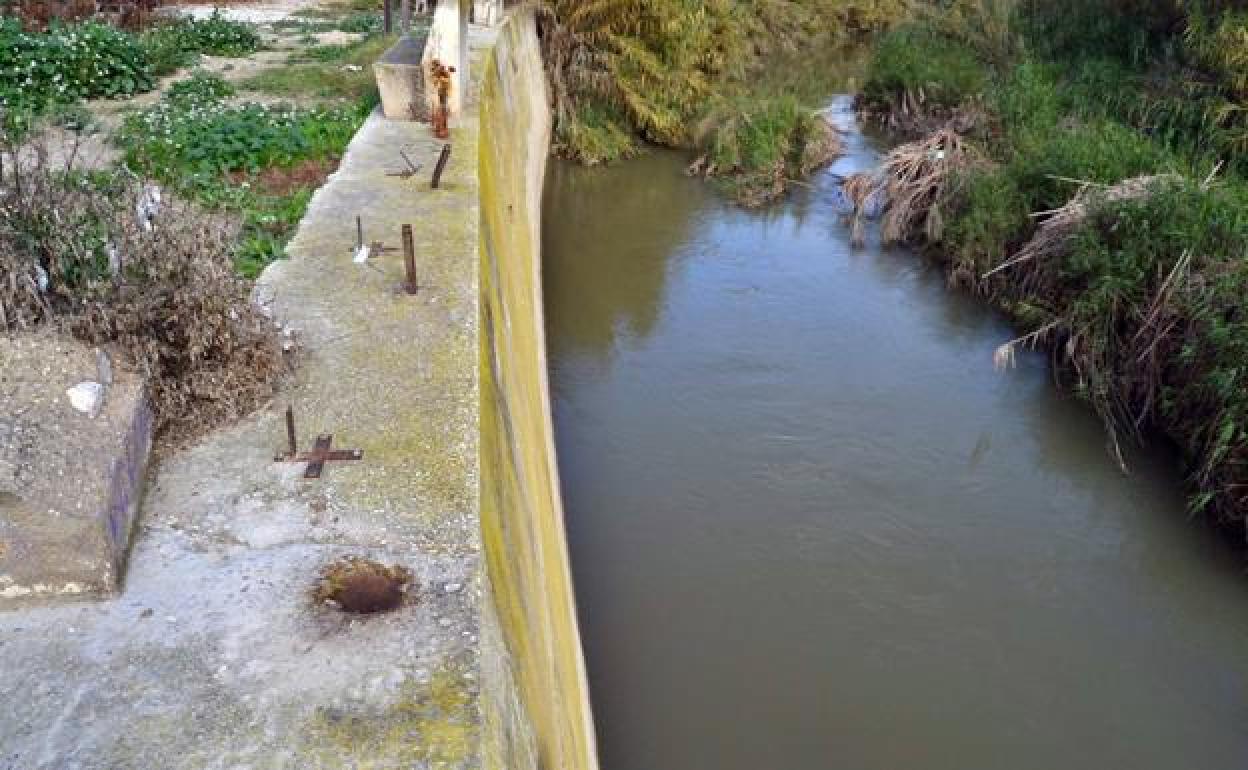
<point x="70" y="484"/>
<point x="401" y="81"/>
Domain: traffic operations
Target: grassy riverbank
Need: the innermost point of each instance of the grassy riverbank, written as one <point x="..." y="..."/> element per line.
<point x="730" y="80"/>
<point x="1137" y="288"/>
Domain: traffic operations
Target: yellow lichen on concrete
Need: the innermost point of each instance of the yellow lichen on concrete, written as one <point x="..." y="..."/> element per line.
<point x="521" y="512"/>
<point x="432" y="726"/>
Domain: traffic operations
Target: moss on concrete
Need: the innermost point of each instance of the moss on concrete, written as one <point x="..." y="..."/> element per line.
<point x="433" y="724"/>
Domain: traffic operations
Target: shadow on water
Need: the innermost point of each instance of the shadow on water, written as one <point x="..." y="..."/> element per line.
<point x="811" y="527"/>
<point x="612" y="259"/>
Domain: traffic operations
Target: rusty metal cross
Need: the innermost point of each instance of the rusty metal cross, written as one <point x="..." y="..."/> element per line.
<point x="321" y="453"/>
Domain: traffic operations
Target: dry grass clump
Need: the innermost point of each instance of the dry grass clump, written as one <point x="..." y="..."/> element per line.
<point x="1054" y="236"/>
<point x="116" y="263"/>
<point x="358" y="585"/>
<point x="910" y="186"/>
<point x="1119" y="366"/>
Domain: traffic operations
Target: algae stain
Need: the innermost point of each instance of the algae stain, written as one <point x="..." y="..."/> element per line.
<point x="431" y="725"/>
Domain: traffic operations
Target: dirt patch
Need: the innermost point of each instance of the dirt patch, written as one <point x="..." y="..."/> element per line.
<point x="364" y="586"/>
<point x="338" y="37"/>
<point x="305" y="175"/>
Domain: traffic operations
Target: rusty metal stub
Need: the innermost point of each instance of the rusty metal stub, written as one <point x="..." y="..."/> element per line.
<point x="322" y="451"/>
<point x="411" y="170"/>
<point x="443" y="157"/>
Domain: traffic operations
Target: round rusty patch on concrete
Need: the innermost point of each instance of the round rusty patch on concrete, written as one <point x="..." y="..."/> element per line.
<point x="364" y="586"/>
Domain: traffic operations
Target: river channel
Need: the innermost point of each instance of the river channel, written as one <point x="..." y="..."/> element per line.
<point x="812" y="527"/>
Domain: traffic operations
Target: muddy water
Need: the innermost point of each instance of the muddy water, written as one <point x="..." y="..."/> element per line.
<point x="812" y="527"/>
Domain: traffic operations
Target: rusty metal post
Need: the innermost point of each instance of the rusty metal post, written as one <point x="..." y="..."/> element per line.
<point x="409" y="261"/>
<point x="359" y="232"/>
<point x="438" y="169"/>
<point x="290" y="431"/>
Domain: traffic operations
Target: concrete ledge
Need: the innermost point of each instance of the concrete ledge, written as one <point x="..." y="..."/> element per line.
<point x="401" y="81"/>
<point x="70" y="484"/>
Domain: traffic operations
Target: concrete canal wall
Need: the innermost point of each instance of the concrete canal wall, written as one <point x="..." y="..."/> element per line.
<point x="535" y="708"/>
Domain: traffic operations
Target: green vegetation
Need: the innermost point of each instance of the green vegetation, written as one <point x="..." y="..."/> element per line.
<point x="326" y="72"/>
<point x="359" y="22"/>
<point x="1108" y="118"/>
<point x="234" y="156"/>
<point x="916" y="66"/>
<point x="192" y="134"/>
<point x="66" y="64"/>
<point x="257" y="162"/>
<point x="179" y="42"/>
<point x="760" y="149"/>
<point x="161" y="273"/>
<point x="625" y="71"/>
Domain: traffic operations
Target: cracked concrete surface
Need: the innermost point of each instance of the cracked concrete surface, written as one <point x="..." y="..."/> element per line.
<point x="215" y="655"/>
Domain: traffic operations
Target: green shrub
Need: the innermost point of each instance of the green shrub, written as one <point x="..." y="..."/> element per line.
<point x="367" y="23"/>
<point x="595" y="134"/>
<point x="1136" y="32"/>
<point x="166" y="49"/>
<point x="72" y="117"/>
<point x="1157" y="287"/>
<point x="66" y="64"/>
<point x="179" y="42"/>
<point x="268" y="223"/>
<point x="205" y="139"/>
<point x="205" y="148"/>
<point x="361" y="23"/>
<point x="201" y="89"/>
<point x="759" y="138"/>
<point x="915" y="61"/>
<point x="219" y="36"/>
<point x="1028" y="98"/>
<point x="988" y="216"/>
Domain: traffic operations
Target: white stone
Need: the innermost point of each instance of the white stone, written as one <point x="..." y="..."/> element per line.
<point x="87" y="397"/>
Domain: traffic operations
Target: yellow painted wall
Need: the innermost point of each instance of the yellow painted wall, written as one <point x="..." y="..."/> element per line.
<point x="535" y="701"/>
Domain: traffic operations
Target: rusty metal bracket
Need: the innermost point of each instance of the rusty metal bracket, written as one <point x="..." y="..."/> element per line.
<point x="412" y="168"/>
<point x="322" y="451"/>
<point x="374" y="247"/>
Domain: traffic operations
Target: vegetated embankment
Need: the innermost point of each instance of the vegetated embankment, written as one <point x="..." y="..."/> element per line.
<point x="1087" y="199"/>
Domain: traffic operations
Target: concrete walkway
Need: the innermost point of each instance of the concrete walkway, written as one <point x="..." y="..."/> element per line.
<point x="215" y="655"/>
